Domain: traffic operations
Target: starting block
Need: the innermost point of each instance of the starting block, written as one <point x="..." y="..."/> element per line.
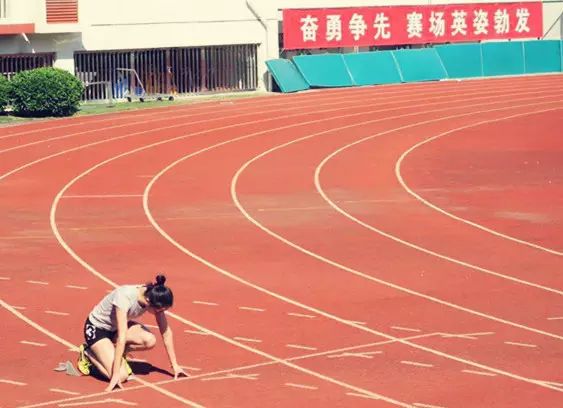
<point x="68" y="368"/>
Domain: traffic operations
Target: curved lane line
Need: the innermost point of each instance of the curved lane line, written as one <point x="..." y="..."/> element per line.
<point x="251" y="112"/>
<point x="309" y="308"/>
<point x="453" y="216"/>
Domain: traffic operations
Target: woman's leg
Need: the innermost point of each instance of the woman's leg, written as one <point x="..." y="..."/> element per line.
<point x="139" y="338"/>
<point x="102" y="354"/>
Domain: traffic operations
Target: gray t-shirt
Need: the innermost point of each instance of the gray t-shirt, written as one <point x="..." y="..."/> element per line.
<point x="124" y="297"/>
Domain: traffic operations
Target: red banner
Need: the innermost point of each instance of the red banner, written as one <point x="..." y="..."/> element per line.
<point x="364" y="26"/>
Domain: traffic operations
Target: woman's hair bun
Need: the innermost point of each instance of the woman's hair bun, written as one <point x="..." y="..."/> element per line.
<point x="160" y="279"/>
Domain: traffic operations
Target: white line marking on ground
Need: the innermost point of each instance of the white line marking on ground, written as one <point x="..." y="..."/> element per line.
<point x="3" y="380"/>
<point x="19" y="307"/>
<point x="241" y="368"/>
<point x="455" y="217"/>
<point x="415" y="363"/>
<point x="252" y="309"/>
<point x="306" y="316"/>
<point x="357" y="394"/>
<point x="34" y="282"/>
<point x="356" y="322"/>
<point x="198" y="332"/>
<point x="489" y="374"/>
<point x="33" y="343"/>
<point x="512" y="343"/>
<point x="470" y="336"/>
<point x="64" y="391"/>
<point x="4" y="278"/>
<point x="406" y="329"/>
<point x="248" y="340"/>
<point x="300" y="347"/>
<point x="104" y="401"/>
<point x="252" y="377"/>
<point x="57" y="313"/>
<point x="199" y="302"/>
<point x="76" y="287"/>
<point x="104" y="196"/>
<point x="555" y="318"/>
<point x="303" y="386"/>
<point x="418" y="404"/>
<point x="190" y="368"/>
<point x="366" y="354"/>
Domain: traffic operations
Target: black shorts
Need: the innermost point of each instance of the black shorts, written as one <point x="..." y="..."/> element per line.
<point x="93" y="334"/>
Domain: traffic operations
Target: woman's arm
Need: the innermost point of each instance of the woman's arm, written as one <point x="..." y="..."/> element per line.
<point x="168" y="340"/>
<point x="121" y="318"/>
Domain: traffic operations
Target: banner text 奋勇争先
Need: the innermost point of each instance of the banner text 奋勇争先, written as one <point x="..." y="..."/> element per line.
<point x="392" y="25"/>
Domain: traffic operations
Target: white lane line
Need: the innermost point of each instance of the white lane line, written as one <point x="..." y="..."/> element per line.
<point x="303" y="386"/>
<point x="406" y="329"/>
<point x="488" y="374"/>
<point x="251" y="377"/>
<point x="252" y="309"/>
<point x="76" y="287"/>
<point x="19" y="307"/>
<point x="513" y="343"/>
<point x="248" y="367"/>
<point x="64" y="391"/>
<point x="11" y="382"/>
<point x="34" y="282"/>
<point x="415" y="363"/>
<point x="57" y="313"/>
<point x="4" y="278"/>
<point x="357" y="394"/>
<point x="200" y="302"/>
<point x="188" y="368"/>
<point x="104" y="196"/>
<point x="104" y="401"/>
<point x="247" y="339"/>
<point x="356" y="322"/>
<point x="198" y="332"/>
<point x="555" y="318"/>
<point x="33" y="343"/>
<point x="366" y="354"/>
<point x="421" y="405"/>
<point x="306" y="316"/>
<point x="300" y="347"/>
<point x="469" y="336"/>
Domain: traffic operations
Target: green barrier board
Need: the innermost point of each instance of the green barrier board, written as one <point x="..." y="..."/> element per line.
<point x="503" y="58"/>
<point x="461" y="60"/>
<point x="326" y="70"/>
<point x="286" y="75"/>
<point x="542" y="56"/>
<point x="420" y="65"/>
<point x="373" y="68"/>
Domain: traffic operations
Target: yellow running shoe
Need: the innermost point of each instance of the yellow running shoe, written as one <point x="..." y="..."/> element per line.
<point x="127" y="366"/>
<point x="83" y="362"/>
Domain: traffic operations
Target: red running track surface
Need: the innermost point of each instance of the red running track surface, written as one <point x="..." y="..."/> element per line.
<point x="379" y="246"/>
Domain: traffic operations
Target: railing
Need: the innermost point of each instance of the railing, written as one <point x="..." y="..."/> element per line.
<point x="168" y="71"/>
<point x="3" y="9"/>
<point x="12" y="64"/>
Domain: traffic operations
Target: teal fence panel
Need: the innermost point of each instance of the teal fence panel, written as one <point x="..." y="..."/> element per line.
<point x="373" y="68"/>
<point x="461" y="60"/>
<point x="420" y="65"/>
<point x="542" y="56"/>
<point x="503" y="58"/>
<point x="324" y="71"/>
<point x="286" y="75"/>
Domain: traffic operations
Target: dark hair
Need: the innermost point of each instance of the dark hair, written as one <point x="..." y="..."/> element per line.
<point x="159" y="295"/>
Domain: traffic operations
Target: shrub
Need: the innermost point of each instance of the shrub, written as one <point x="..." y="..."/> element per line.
<point x="45" y="92"/>
<point x="4" y="92"/>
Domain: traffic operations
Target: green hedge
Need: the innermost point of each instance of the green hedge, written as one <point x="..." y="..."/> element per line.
<point x="4" y="92"/>
<point x="45" y="92"/>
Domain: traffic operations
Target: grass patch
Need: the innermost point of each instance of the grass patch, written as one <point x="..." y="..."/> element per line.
<point x="101" y="108"/>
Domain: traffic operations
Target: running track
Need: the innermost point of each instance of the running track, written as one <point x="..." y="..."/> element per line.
<point x="371" y="247"/>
